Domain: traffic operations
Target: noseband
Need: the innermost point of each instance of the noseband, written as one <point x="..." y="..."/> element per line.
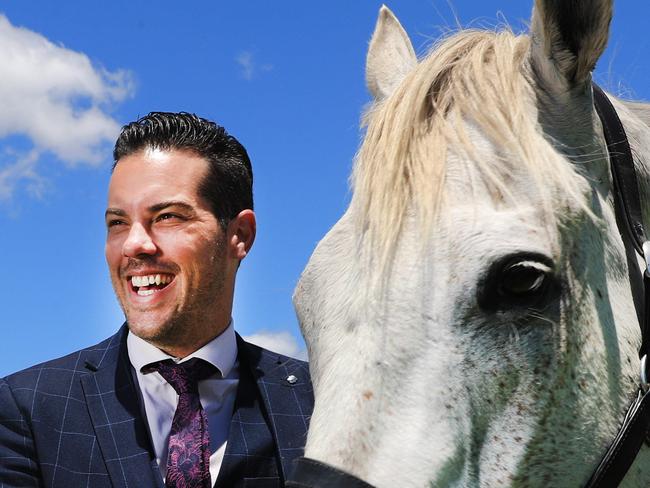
<point x="309" y="473"/>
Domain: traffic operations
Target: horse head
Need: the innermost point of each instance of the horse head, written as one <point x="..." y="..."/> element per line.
<point x="470" y="319"/>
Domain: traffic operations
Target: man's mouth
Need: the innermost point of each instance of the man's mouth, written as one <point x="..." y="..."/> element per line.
<point x="146" y="285"/>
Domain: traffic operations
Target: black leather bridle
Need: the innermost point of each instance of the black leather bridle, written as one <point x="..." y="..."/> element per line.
<point x="634" y="430"/>
<point x="309" y="473"/>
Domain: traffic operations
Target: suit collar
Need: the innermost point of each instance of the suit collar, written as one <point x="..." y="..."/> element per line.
<point x="221" y="351"/>
<point x="115" y="413"/>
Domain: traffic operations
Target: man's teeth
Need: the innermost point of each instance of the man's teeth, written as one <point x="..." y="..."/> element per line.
<point x="157" y="279"/>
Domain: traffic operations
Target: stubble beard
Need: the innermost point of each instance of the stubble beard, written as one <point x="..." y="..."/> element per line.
<point x="189" y="324"/>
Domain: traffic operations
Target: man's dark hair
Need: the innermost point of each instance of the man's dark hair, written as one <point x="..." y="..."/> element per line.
<point x="228" y="186"/>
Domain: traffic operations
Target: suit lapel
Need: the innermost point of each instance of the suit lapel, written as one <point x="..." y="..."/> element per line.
<point x="285" y="390"/>
<point x="250" y="451"/>
<point x="112" y="400"/>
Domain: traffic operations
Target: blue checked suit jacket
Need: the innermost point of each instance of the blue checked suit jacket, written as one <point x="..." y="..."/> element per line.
<point x="77" y="421"/>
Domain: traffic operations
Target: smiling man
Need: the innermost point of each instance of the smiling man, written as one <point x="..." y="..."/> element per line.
<point x="176" y="398"/>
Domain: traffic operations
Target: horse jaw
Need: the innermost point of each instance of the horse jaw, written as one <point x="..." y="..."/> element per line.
<point x="372" y="374"/>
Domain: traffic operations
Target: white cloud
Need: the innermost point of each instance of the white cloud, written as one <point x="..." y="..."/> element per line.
<point x="245" y="60"/>
<point x="23" y="168"/>
<point x="249" y="67"/>
<point x="57" y="99"/>
<point x="281" y="342"/>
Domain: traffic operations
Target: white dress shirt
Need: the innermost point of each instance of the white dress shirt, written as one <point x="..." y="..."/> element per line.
<point x="217" y="393"/>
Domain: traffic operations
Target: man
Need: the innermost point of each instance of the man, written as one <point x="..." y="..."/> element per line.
<point x="175" y="396"/>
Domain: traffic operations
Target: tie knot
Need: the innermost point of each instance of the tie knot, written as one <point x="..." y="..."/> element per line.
<point x="184" y="377"/>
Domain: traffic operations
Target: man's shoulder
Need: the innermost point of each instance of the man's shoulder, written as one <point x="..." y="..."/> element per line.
<point x="59" y="371"/>
<point x="276" y="374"/>
<point x="274" y="356"/>
<point x="272" y="362"/>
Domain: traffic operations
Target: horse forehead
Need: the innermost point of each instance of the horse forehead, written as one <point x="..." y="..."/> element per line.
<point x="472" y="236"/>
<point x="480" y="161"/>
<point x="494" y="222"/>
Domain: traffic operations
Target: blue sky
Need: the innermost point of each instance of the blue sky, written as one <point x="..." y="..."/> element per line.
<point x="286" y="78"/>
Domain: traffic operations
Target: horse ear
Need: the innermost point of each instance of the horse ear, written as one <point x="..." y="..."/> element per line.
<point x="390" y="55"/>
<point x="568" y="37"/>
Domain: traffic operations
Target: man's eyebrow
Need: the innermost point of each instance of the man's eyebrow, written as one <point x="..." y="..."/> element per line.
<point x="171" y="203"/>
<point x="153" y="209"/>
<point x="115" y="211"/>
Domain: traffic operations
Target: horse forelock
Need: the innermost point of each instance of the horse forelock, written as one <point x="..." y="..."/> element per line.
<point x="472" y="76"/>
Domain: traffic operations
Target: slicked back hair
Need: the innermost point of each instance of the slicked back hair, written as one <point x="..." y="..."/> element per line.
<point x="228" y="186"/>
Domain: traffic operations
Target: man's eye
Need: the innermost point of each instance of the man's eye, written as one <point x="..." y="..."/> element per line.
<point x="168" y="216"/>
<point x="113" y="223"/>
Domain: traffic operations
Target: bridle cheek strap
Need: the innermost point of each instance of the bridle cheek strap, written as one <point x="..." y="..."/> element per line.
<point x="633" y="432"/>
<point x="623" y="451"/>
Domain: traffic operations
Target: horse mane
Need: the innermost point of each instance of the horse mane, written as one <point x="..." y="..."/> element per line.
<point x="482" y="76"/>
<point x="641" y="110"/>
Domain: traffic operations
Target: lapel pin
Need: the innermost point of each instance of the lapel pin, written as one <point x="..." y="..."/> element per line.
<point x="291" y="379"/>
<point x="92" y="367"/>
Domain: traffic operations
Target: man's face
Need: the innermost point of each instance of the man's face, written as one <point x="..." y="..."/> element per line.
<point x="167" y="254"/>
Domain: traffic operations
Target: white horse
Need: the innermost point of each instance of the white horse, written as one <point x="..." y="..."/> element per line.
<point x="470" y="319"/>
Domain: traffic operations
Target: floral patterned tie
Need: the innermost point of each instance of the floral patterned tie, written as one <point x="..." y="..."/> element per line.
<point x="188" y="459"/>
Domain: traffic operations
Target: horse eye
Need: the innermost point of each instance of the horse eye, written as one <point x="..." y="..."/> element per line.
<point x="519" y="281"/>
<point x="523" y="278"/>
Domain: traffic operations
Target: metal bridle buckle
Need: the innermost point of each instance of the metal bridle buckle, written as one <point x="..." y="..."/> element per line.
<point x="646" y="256"/>
<point x="644" y="360"/>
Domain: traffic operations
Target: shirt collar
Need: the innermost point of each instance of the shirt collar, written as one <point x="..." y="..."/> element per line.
<point x="221" y="352"/>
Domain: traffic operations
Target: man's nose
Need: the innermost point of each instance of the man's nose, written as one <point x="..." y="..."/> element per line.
<point x="138" y="242"/>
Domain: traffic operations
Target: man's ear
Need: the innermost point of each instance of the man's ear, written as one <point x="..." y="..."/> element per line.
<point x="241" y="234"/>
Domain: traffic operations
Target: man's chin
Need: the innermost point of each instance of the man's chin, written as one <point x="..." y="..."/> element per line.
<point x="150" y="329"/>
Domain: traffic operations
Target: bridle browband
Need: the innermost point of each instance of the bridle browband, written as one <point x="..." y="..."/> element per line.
<point x="309" y="473"/>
